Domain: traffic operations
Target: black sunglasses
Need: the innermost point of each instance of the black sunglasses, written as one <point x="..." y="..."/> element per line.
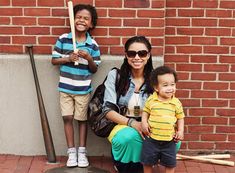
<point x="141" y="53"/>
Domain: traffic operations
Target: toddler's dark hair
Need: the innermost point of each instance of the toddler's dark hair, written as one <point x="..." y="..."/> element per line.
<point x="89" y="8"/>
<point x="161" y="71"/>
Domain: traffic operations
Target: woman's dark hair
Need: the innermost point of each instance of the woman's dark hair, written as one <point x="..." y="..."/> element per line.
<point x="161" y="71"/>
<point x="89" y="8"/>
<point x="125" y="70"/>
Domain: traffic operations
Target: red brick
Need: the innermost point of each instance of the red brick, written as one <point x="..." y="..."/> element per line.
<point x="5" y="20"/>
<point x="122" y="31"/>
<point x="37" y="30"/>
<point x="100" y="32"/>
<point x="232" y="121"/>
<point x="203" y="76"/>
<point x="60" y="12"/>
<point x="176" y="58"/>
<point x="204" y="40"/>
<point x="204" y="22"/>
<point x="192" y="120"/>
<point x="23" y="2"/>
<point x="10" y="30"/>
<point x="190" y="102"/>
<point x="226" y="112"/>
<point x="4" y="2"/>
<point x="157" y="41"/>
<point x="122" y="13"/>
<point x="227" y="22"/>
<point x="151" y="13"/>
<point x="170" y="12"/>
<point x="102" y="12"/>
<point x="204" y="58"/>
<point x="11" y="49"/>
<point x="213" y="137"/>
<point x="214" y="103"/>
<point x="191" y="137"/>
<point x="170" y="30"/>
<point x="107" y="3"/>
<point x="182" y="94"/>
<point x="225" y="145"/>
<point x="189" y="67"/>
<point x="24" y="39"/>
<point x="183" y="75"/>
<point x="59" y="31"/>
<point x="203" y="94"/>
<point x="190" y="12"/>
<point x="178" y="4"/>
<point x="51" y="3"/>
<point x="225" y="129"/>
<point x="216" y="68"/>
<point x="177" y="22"/>
<point x="189" y="49"/>
<point x="232" y="104"/>
<point x="177" y="40"/>
<point x="11" y="12"/>
<point x="158" y="51"/>
<point x="216" y="85"/>
<point x="201" y="145"/>
<point x="109" y="22"/>
<point x="51" y="21"/>
<point x="227" y="41"/>
<point x="23" y="21"/>
<point x="201" y="111"/>
<point x="36" y="11"/>
<point x="219" y="13"/>
<point x="227" y="4"/>
<point x="215" y="120"/>
<point x="150" y="32"/>
<point x="114" y="50"/>
<point x="108" y="41"/>
<point x="227" y="77"/>
<point x="158" y="4"/>
<point x="136" y="4"/>
<point x="136" y="22"/>
<point x="190" y="31"/>
<point x="200" y="129"/>
<point x="5" y="39"/>
<point x="218" y="31"/>
<point x="44" y="49"/>
<point x="189" y="85"/>
<point x="169" y="49"/>
<point x="47" y="40"/>
<point x="157" y="22"/>
<point x="231" y="138"/>
<point x="205" y="3"/>
<point x="226" y="59"/>
<point x="216" y="50"/>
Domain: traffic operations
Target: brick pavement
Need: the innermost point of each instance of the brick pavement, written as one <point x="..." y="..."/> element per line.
<point x="38" y="164"/>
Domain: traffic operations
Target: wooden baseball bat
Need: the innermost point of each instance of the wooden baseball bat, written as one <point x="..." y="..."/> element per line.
<point x="43" y="116"/>
<point x="220" y="162"/>
<point x="72" y="26"/>
<point x="210" y="156"/>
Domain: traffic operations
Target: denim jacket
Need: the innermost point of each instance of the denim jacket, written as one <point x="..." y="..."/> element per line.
<point x="111" y="95"/>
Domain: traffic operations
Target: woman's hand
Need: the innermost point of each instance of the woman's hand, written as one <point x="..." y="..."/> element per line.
<point x="138" y="126"/>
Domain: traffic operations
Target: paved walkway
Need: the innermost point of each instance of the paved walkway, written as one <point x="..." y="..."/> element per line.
<point x="38" y="164"/>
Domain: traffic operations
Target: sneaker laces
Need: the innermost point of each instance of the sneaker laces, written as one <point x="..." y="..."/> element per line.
<point x="82" y="157"/>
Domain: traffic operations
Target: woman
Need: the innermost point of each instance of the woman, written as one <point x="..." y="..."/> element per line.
<point x="134" y="87"/>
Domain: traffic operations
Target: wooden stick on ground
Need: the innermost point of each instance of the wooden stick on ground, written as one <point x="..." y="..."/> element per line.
<point x="220" y="162"/>
<point x="210" y="156"/>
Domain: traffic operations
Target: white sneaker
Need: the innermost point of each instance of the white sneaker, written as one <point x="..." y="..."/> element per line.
<point x="82" y="160"/>
<point x="72" y="157"/>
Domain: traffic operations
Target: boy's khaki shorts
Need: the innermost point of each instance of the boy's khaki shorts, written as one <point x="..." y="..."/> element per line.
<point x="75" y="105"/>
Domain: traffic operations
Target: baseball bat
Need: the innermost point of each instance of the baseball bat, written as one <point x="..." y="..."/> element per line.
<point x="210" y="156"/>
<point x="72" y="26"/>
<point x="43" y="116"/>
<point x="220" y="162"/>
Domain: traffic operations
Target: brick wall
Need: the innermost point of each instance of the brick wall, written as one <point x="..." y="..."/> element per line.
<point x="195" y="37"/>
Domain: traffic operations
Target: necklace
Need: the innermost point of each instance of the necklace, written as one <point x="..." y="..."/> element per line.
<point x="136" y="106"/>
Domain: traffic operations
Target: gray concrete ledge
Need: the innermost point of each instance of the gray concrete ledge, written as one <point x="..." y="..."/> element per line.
<point x="20" y="128"/>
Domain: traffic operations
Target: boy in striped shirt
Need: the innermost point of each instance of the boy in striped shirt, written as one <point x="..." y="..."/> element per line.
<point x="162" y="121"/>
<point x="75" y="80"/>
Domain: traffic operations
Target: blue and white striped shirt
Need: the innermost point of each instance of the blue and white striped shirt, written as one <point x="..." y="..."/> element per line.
<point x="75" y="79"/>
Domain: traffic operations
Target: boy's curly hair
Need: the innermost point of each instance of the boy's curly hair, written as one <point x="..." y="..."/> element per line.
<point x="89" y="8"/>
<point x="161" y="71"/>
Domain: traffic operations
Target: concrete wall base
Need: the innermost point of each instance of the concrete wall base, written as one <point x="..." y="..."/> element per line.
<point x="20" y="128"/>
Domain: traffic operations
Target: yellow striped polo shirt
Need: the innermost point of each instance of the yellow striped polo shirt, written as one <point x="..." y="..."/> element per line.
<point x="163" y="116"/>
